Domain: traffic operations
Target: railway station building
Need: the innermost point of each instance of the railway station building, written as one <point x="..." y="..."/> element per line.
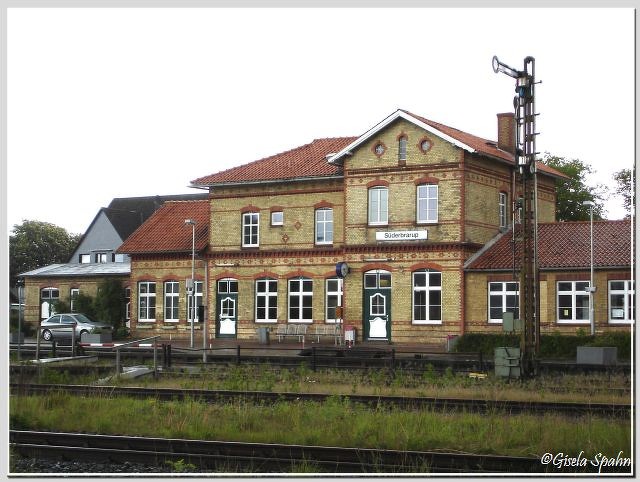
<point x="404" y="231"/>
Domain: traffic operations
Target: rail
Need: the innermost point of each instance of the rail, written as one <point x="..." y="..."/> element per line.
<point x="137" y="342"/>
<point x="264" y="458"/>
<point x="568" y="409"/>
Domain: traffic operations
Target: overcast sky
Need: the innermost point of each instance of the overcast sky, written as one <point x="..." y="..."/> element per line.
<point x="106" y="103"/>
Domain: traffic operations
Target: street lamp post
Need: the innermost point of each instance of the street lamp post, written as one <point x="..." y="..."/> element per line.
<point x="20" y="286"/>
<point x="592" y="288"/>
<point x="193" y="274"/>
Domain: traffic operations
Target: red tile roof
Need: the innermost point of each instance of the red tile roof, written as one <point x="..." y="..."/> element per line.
<point x="310" y="160"/>
<point x="483" y="146"/>
<point x="564" y="245"/>
<point x="165" y="231"/>
<point x="302" y="162"/>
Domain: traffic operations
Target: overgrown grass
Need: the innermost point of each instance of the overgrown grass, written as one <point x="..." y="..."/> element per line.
<point x="335" y="422"/>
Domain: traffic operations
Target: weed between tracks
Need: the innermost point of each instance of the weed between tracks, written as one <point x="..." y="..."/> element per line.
<point x="430" y="383"/>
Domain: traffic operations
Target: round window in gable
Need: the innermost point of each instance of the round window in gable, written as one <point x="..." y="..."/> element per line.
<point x="425" y="145"/>
<point x="379" y="149"/>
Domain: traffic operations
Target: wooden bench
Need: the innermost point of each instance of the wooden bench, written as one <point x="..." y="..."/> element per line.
<point x="332" y="331"/>
<point x="283" y="331"/>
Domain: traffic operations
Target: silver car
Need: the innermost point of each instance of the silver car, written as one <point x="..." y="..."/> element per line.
<point x="51" y="326"/>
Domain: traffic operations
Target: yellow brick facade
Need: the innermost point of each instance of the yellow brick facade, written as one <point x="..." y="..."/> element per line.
<point x="34" y="286"/>
<point x="467" y="217"/>
<point x="477" y="301"/>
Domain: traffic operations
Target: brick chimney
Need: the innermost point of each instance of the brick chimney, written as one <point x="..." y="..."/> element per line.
<point x="507" y="132"/>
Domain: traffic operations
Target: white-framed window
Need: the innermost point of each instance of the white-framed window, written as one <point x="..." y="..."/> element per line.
<point x="48" y="296"/>
<point x="146" y="301"/>
<point x="266" y="300"/>
<point x="573" y="301"/>
<point x="101" y="257"/>
<point x="300" y="300"/>
<point x="378" y="205"/>
<point x="377" y="279"/>
<point x="171" y="301"/>
<point x="427" y="297"/>
<point x="504" y="296"/>
<point x="324" y="226"/>
<point x="277" y="218"/>
<point x="621" y="301"/>
<point x="250" y="230"/>
<point x="73" y="296"/>
<point x="197" y="299"/>
<point x="427" y="203"/>
<point x="402" y="148"/>
<point x="127" y="303"/>
<point x="227" y="291"/>
<point x="333" y="298"/>
<point x="227" y="285"/>
<point x="502" y="209"/>
<point x="84" y="258"/>
<point x="377" y="305"/>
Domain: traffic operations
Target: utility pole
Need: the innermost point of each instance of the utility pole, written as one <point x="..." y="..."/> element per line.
<point x="525" y="157"/>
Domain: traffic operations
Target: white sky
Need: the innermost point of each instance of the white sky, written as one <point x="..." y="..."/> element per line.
<point x="106" y="103"/>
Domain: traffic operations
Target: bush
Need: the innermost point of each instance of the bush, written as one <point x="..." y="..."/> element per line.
<point x="485" y="342"/>
<point x="554" y="345"/>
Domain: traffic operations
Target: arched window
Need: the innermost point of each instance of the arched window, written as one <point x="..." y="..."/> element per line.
<point x="502" y="209"/>
<point x="48" y="296"/>
<point x="427" y="296"/>
<point x="301" y="300"/>
<point x="324" y="226"/>
<point x="402" y="148"/>
<point x="378" y="205"/>
<point x="333" y="298"/>
<point x="266" y="300"/>
<point x="171" y="300"/>
<point x="427" y="203"/>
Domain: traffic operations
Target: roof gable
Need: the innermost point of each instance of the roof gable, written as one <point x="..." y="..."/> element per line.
<point x="399" y="114"/>
<point x="165" y="231"/>
<point x="468" y="142"/>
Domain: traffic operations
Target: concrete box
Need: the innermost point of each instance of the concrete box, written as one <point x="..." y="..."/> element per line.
<point x="597" y="355"/>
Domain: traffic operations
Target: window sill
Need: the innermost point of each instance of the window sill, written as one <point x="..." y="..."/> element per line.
<point x="426" y="322"/>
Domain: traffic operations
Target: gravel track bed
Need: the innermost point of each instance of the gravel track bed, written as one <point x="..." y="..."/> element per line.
<point x="45" y="466"/>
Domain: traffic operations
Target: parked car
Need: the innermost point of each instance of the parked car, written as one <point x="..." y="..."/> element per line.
<point x="84" y="324"/>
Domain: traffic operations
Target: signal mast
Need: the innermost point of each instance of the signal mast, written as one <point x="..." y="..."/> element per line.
<point x="527" y="235"/>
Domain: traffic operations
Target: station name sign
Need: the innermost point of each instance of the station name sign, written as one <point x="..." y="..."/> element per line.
<point x="401" y="235"/>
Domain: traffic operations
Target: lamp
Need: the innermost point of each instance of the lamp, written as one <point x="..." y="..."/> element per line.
<point x="193" y="270"/>
<point x="592" y="288"/>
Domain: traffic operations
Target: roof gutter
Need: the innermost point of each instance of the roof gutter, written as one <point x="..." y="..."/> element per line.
<point x="266" y="181"/>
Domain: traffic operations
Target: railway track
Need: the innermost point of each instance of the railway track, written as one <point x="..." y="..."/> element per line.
<point x="426" y="403"/>
<point x="209" y="456"/>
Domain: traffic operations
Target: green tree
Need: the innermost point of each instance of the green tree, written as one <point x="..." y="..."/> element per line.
<point x="623" y="188"/>
<point x="35" y="244"/>
<point x="107" y="305"/>
<point x="574" y="191"/>
<point x="109" y="302"/>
